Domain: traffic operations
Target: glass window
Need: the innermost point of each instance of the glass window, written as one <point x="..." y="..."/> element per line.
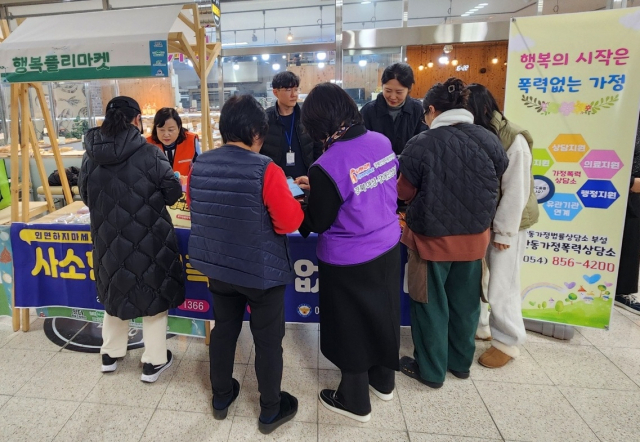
<point x="362" y="72"/>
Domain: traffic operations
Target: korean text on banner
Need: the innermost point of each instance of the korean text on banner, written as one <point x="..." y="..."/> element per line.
<point x="571" y="83"/>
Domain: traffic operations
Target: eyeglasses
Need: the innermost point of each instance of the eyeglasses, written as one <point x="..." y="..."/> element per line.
<point x="295" y="90"/>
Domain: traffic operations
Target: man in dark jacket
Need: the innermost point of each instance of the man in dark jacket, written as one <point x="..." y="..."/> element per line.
<point x="127" y="184"/>
<point x="286" y="143"/>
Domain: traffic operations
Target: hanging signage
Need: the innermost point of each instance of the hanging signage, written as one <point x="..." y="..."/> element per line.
<point x="569" y="82"/>
<point x="35" y="65"/>
<point x="215" y="10"/>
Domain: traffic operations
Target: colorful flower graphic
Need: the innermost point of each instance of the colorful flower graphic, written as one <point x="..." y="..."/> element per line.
<point x="567" y="108"/>
<point x="580" y="107"/>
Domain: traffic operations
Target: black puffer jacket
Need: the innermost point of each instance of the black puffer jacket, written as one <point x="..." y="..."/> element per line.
<point x="127" y="184"/>
<point x="457" y="171"/>
<point x="406" y="125"/>
<point x="633" y="204"/>
<point x="275" y="141"/>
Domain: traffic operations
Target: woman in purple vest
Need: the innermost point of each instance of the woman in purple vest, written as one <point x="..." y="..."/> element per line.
<point x="352" y="205"/>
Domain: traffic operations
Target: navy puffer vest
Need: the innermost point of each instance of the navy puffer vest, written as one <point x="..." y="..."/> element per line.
<point x="232" y="237"/>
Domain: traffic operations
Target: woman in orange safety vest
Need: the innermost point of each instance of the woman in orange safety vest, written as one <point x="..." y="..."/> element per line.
<point x="179" y="145"/>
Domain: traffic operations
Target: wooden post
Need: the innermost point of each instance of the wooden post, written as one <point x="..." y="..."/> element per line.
<point x="15" y="180"/>
<point x="54" y="141"/>
<point x="25" y="176"/>
<point x="204" y="90"/>
<point x="40" y="165"/>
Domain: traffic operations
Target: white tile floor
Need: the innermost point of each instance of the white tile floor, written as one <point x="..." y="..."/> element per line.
<point x="583" y="390"/>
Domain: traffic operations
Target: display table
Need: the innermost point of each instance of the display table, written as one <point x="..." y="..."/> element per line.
<point x="54" y="268"/>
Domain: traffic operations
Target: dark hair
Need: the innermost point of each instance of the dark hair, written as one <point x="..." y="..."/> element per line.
<point x="242" y="119"/>
<point x="443" y="97"/>
<point x="161" y="118"/>
<point x="482" y="105"/>
<point x="285" y="80"/>
<point x="327" y="108"/>
<point x="119" y="114"/>
<point x="401" y="72"/>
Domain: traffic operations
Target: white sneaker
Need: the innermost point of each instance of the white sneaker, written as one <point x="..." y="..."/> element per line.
<point x="381" y="395"/>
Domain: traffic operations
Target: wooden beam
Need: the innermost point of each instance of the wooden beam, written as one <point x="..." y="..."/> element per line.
<point x="35" y="146"/>
<point x="196" y="15"/>
<point x="213" y="53"/>
<point x="187" y="22"/>
<point x="188" y="51"/>
<point x="48" y="122"/>
<point x="25" y="176"/>
<point x="204" y="91"/>
<point x="4" y="29"/>
<point x="15" y="180"/>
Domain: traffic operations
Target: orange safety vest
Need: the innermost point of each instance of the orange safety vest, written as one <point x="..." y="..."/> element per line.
<point x="184" y="153"/>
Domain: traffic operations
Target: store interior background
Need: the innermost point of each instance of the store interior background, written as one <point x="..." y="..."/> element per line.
<point x="263" y="37"/>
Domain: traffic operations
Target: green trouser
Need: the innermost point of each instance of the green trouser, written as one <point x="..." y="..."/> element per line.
<point x="443" y="329"/>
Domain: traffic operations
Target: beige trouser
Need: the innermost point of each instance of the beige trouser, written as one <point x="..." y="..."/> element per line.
<point x="115" y="337"/>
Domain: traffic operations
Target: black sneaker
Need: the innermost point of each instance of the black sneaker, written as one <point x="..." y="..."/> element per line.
<point x="150" y="373"/>
<point x="221" y="412"/>
<point x="109" y="364"/>
<point x="329" y="399"/>
<point x="629" y="303"/>
<point x="288" y="410"/>
<point x="409" y="367"/>
<point x="460" y="374"/>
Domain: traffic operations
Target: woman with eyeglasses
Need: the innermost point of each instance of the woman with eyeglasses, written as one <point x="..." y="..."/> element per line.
<point x="352" y="205"/>
<point x="286" y="142"/>
<point x="394" y="113"/>
<point x="449" y="177"/>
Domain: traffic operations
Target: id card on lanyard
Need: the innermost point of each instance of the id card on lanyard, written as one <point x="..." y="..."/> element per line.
<point x="291" y="155"/>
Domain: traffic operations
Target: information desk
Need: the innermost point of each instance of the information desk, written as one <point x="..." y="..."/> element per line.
<point x="54" y="268"/>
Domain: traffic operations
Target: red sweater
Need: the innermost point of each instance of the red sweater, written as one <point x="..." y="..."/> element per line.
<point x="285" y="212"/>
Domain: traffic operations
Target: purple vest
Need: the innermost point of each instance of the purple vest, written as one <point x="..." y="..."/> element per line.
<point x="364" y="170"/>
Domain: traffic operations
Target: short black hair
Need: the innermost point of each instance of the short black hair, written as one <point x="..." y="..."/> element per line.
<point x="285" y="80"/>
<point x="327" y="108"/>
<point x="453" y="94"/>
<point x="401" y="72"/>
<point x="242" y="119"/>
<point x="161" y="118"/>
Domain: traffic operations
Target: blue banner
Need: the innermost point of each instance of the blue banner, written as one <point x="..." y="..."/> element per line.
<point x="158" y="56"/>
<point x="54" y="268"/>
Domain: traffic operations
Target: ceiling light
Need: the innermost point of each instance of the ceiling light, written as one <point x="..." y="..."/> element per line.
<point x="321" y="55"/>
<point x="464" y="15"/>
<point x="483" y="4"/>
<point x="362" y="63"/>
<point x="421" y="67"/>
<point x="495" y="60"/>
<point x="255" y="58"/>
<point x="236" y="66"/>
<point x="448" y="48"/>
<point x="430" y="64"/>
<point x="289" y="35"/>
<point x="454" y="62"/>
<point x="321" y="65"/>
<point x="443" y="60"/>
<point x="265" y="57"/>
<point x="364" y="3"/>
<point x="275" y="66"/>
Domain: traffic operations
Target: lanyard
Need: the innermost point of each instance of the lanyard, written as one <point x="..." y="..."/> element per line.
<point x="289" y="135"/>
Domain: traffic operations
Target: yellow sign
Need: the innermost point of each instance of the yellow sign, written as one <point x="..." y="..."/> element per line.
<point x="572" y="83"/>
<point x="59" y="236"/>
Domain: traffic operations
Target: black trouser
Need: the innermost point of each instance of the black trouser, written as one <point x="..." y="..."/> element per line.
<point x="353" y="391"/>
<point x="267" y="327"/>
<point x="629" y="256"/>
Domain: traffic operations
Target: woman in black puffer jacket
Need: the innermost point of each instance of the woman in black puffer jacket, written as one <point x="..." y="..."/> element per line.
<point x="449" y="176"/>
<point x="127" y="184"/>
